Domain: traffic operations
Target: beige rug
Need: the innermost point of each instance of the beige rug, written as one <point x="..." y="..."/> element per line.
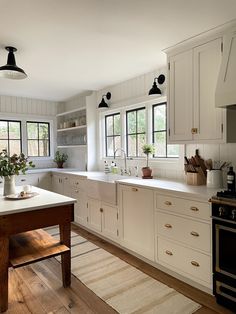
<point x="122" y="286"/>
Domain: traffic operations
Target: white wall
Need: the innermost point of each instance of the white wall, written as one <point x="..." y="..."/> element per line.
<point x="134" y="92"/>
<point x="21" y="107"/>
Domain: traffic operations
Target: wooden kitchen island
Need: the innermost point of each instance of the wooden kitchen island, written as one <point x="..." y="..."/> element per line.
<point x="20" y="241"/>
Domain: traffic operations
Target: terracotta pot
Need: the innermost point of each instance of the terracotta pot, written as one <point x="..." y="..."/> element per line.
<point x="60" y="164"/>
<point x="147" y="172"/>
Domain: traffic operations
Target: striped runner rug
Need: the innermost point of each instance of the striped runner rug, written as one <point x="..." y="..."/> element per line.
<point x="122" y="286"/>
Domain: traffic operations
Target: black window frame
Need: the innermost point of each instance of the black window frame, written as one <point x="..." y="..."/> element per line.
<point x="113" y="135"/>
<point x="38" y="139"/>
<point x="136" y="133"/>
<point x="160" y="131"/>
<point x="12" y="139"/>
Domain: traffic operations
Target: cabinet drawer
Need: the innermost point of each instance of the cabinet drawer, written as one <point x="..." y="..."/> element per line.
<point x="186" y="260"/>
<point x="193" y="233"/>
<point x="183" y="206"/>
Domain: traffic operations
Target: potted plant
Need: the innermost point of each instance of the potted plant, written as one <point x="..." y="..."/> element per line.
<point x="147" y="150"/>
<point x="10" y="166"/>
<point x="60" y="159"/>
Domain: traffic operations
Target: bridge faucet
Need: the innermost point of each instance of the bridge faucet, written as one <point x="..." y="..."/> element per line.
<point x="125" y="159"/>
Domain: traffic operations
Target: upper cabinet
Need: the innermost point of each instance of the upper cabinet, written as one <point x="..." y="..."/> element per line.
<point x="196" y="69"/>
<point x="191" y="97"/>
<point x="225" y="91"/>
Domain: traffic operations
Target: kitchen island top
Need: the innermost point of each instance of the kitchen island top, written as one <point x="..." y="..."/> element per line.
<point x="43" y="199"/>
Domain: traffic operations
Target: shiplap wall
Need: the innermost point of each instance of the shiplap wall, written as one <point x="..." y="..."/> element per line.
<point x="23" y="105"/>
<point x="17" y="107"/>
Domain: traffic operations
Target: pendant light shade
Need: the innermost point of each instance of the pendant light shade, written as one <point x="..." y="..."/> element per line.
<point x="11" y="70"/>
<point x="103" y="104"/>
<point x="155" y="90"/>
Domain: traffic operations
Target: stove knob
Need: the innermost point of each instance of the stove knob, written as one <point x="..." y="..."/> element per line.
<point x="234" y="214"/>
<point x="222" y="211"/>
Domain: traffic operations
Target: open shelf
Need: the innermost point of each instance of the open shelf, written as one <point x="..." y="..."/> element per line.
<point x="33" y="246"/>
<point x="71" y="111"/>
<point x="72" y="128"/>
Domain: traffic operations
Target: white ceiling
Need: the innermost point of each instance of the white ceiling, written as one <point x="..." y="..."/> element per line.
<point x="68" y="46"/>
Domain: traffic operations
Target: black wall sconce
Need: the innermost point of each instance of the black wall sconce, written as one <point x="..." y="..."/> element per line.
<point x="11" y="70"/>
<point x="103" y="104"/>
<point x="155" y="90"/>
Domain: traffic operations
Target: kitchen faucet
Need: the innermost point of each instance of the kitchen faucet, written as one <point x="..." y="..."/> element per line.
<point x="122" y="150"/>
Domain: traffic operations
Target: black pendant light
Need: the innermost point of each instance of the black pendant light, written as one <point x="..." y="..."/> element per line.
<point x="103" y="104"/>
<point x="155" y="90"/>
<point x="11" y="70"/>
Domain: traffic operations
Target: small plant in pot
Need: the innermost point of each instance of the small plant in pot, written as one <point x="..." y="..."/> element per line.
<point x="147" y="150"/>
<point x="60" y="158"/>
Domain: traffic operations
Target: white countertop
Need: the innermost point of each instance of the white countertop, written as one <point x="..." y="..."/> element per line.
<point x="45" y="199"/>
<point x="172" y="187"/>
<point x="162" y="185"/>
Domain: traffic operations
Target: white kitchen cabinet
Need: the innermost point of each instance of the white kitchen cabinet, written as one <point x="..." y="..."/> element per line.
<point x="81" y="213"/>
<point x="193" y="75"/>
<point x="137" y="221"/>
<point x="103" y="218"/>
<point x="28" y="179"/>
<point x="183" y="237"/>
<point x="45" y="181"/>
<point x="60" y="184"/>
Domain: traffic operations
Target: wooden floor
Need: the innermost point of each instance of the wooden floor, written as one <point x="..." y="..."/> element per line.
<point x="37" y="288"/>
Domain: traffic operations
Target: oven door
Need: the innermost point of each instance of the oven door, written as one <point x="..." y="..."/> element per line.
<point x="224" y="253"/>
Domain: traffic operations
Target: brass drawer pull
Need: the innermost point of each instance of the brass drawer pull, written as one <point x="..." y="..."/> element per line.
<point x="194" y="130"/>
<point x="168" y="203"/>
<point x="194" y="233"/>
<point x="169" y="252"/>
<point x="76" y="183"/>
<point x="134" y="189"/>
<point x="195" y="209"/>
<point x="23" y="180"/>
<point x="168" y="226"/>
<point x="101" y="210"/>
<point x="76" y="191"/>
<point x="196" y="264"/>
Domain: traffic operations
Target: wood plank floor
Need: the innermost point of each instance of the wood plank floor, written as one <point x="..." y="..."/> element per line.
<point x="37" y="288"/>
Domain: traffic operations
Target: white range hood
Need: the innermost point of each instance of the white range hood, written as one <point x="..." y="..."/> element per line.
<point x="225" y="95"/>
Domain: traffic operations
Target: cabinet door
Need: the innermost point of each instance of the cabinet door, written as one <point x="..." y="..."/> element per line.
<point x="45" y="181"/>
<point x="94" y="215"/>
<point x="57" y="184"/>
<point x="207" y="118"/>
<point x="180" y="97"/>
<point x="66" y="187"/>
<point x="81" y="211"/>
<point x="137" y="220"/>
<point x="109" y="221"/>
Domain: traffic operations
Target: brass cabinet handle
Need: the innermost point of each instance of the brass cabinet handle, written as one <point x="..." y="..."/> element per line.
<point x="169" y="252"/>
<point x="76" y="191"/>
<point x="194" y="233"/>
<point x="193" y="208"/>
<point x="76" y="183"/>
<point x="23" y="180"/>
<point x="196" y="264"/>
<point x="134" y="189"/>
<point x="168" y="203"/>
<point x="66" y="178"/>
<point x="168" y="226"/>
<point x="101" y="210"/>
<point x="194" y="130"/>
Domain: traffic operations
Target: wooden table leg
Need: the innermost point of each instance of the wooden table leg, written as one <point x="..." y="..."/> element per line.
<point x="4" y="262"/>
<point x="66" y="257"/>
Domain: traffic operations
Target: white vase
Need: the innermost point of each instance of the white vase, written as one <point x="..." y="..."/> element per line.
<point x="9" y="185"/>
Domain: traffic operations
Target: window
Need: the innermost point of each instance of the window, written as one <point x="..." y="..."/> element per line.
<point x="162" y="149"/>
<point x="10" y="136"/>
<point x="38" y="134"/>
<point x="112" y="133"/>
<point x="135" y="131"/>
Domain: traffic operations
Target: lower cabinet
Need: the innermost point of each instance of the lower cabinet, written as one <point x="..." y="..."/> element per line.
<point x="137" y="220"/>
<point x="183" y="243"/>
<point x="103" y="218"/>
